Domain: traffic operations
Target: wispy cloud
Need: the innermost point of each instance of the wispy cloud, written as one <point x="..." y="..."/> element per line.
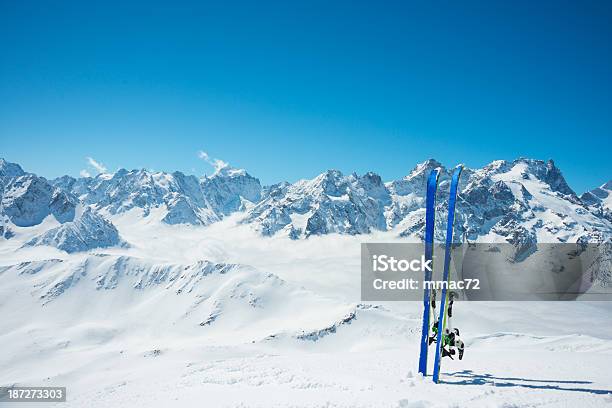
<point x="96" y="165"/>
<point x="217" y="164"/>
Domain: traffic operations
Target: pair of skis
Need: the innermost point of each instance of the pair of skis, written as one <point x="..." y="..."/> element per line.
<point x="442" y="336"/>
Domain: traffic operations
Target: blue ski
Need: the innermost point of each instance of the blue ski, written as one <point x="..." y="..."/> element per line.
<point x="447" y="258"/>
<point x="430" y="212"/>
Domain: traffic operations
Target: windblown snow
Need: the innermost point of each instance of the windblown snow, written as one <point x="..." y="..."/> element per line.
<point x="144" y="288"/>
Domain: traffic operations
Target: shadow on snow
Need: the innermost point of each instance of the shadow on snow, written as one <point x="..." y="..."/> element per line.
<point x="470" y="378"/>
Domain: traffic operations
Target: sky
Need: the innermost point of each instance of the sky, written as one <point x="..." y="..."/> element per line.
<point x="287" y="90"/>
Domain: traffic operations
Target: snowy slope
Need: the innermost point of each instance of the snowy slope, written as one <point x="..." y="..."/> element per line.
<point x="202" y="298"/>
<point x="200" y="309"/>
<point x="125" y="330"/>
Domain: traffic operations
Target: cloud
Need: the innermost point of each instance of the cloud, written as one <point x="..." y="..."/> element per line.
<point x="96" y="165"/>
<point x="217" y="164"/>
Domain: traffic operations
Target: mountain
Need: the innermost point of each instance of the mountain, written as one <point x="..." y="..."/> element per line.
<point x="87" y="231"/>
<point x="9" y="170"/>
<point x="531" y="198"/>
<point x="522" y="201"/>
<point x="408" y="193"/>
<point x="182" y="199"/>
<point x="189" y="311"/>
<point x="330" y="203"/>
<point x="28" y="199"/>
<point x="600" y="199"/>
<point x="229" y="190"/>
<point x="180" y="195"/>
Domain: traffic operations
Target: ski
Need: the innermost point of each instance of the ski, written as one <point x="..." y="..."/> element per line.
<point x="430" y="209"/>
<point x="446" y="336"/>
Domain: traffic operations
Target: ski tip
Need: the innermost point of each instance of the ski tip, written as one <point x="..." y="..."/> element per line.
<point x="433" y="175"/>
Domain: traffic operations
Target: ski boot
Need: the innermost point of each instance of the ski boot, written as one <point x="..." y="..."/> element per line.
<point x="448" y="352"/>
<point x="448" y="339"/>
<point x="460" y="347"/>
<point x="459" y="344"/>
<point x="456" y="342"/>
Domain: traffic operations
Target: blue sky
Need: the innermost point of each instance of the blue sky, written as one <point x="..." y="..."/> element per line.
<point x="287" y="89"/>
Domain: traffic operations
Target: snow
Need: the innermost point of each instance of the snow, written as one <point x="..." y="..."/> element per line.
<point x="215" y="314"/>
<point x="88" y="230"/>
<point x="299" y="221"/>
<point x="601" y="195"/>
<point x="132" y="344"/>
<point x="260" y="377"/>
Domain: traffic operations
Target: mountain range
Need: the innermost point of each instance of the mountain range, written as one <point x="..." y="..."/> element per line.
<point x="524" y="200"/>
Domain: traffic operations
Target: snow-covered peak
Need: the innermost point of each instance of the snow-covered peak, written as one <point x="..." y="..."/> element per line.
<point x="331" y="182"/>
<point x="330" y="203"/>
<point x="600" y="196"/>
<point x="415" y="182"/>
<point x="497" y="166"/>
<point x="28" y="199"/>
<point x="8" y="169"/>
<point x="227" y="190"/>
<point x="88" y="230"/>
<point x="180" y="195"/>
<point x="527" y="198"/>
<point x="183" y="199"/>
<point x="226" y="170"/>
<point x="424" y="168"/>
<point x="505" y="198"/>
<point x="528" y="169"/>
<point x="495" y="201"/>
